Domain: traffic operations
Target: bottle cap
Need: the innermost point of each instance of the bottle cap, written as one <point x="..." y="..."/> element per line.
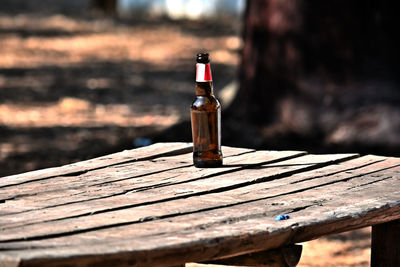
<point x="203" y="58"/>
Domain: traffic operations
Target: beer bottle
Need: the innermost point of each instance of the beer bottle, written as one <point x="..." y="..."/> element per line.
<point x="205" y="114"/>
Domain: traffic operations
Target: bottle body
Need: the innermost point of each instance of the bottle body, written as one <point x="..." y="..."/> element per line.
<point x="205" y="116"/>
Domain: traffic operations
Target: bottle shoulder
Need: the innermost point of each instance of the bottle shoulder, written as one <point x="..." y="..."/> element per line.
<point x="205" y="102"/>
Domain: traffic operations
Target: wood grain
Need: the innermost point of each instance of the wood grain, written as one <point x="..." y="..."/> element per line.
<point x="232" y="199"/>
<point x="149" y="152"/>
<point x="72" y="185"/>
<point x="136" y="176"/>
<point x="243" y="236"/>
<point x="161" y="211"/>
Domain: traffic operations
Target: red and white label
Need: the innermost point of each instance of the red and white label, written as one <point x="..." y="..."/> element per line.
<point x="203" y="72"/>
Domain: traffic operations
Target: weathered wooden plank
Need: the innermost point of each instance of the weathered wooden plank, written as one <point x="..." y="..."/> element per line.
<point x="198" y="187"/>
<point x="354" y="187"/>
<point x="268" y="208"/>
<point x="385" y="248"/>
<point x="288" y="256"/>
<point x="244" y="236"/>
<point x="177" y="207"/>
<point x="152" y="151"/>
<point x="63" y="195"/>
<point x="260" y="209"/>
<point x="45" y="212"/>
<point x="133" y="171"/>
<point x="122" y="200"/>
<point x="6" y="261"/>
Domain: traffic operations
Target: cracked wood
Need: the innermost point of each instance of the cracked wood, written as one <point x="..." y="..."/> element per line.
<point x="156" y="209"/>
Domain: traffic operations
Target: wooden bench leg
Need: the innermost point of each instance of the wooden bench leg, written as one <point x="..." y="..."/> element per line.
<point x="385" y="244"/>
<point x="283" y="257"/>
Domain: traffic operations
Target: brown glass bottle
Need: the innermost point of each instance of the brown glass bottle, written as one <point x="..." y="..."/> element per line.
<point x="206" y="118"/>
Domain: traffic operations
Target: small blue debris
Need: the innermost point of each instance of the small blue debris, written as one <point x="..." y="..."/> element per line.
<point x="282" y="217"/>
<point x="141" y="141"/>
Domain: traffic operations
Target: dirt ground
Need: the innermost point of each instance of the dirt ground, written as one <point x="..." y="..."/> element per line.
<point x="73" y="88"/>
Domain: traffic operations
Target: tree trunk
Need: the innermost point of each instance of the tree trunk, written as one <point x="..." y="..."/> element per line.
<point x="269" y="60"/>
<point x="318" y="52"/>
<point x="105" y="7"/>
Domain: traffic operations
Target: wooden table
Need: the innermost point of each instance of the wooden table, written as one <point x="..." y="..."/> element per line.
<point x="151" y="207"/>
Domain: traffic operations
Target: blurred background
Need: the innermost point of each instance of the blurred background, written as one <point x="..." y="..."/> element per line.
<point x="80" y="79"/>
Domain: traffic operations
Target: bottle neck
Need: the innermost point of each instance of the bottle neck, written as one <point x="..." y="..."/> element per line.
<point x="204" y="85"/>
<point x="204" y="89"/>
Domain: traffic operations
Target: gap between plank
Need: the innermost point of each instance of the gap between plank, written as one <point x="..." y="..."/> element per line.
<point x="160" y="185"/>
<point x="80" y="172"/>
<point x="152" y="218"/>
